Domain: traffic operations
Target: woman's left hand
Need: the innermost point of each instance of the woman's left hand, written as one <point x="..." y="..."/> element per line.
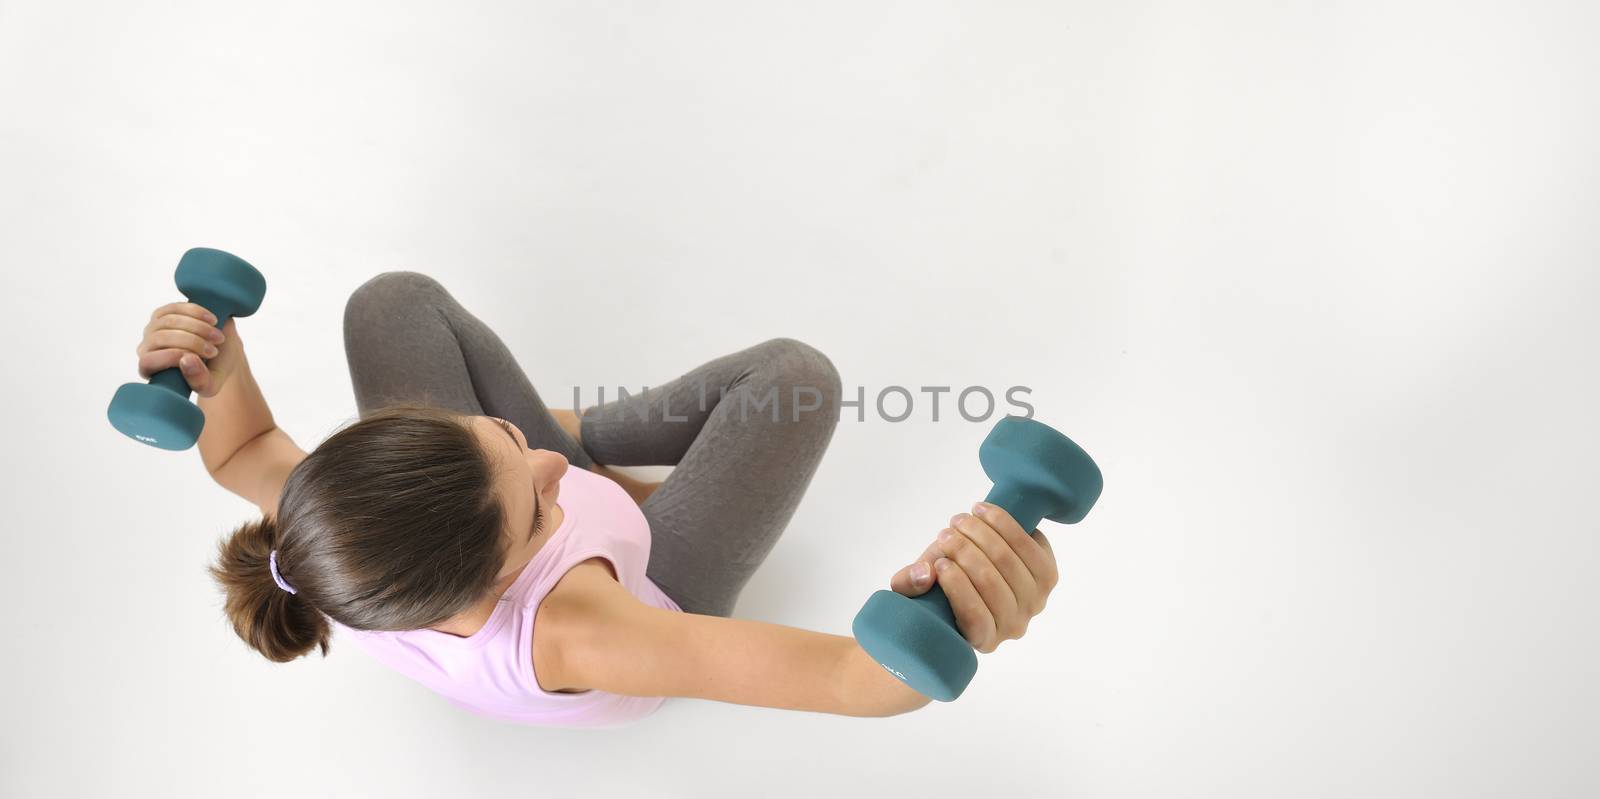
<point x="996" y="575"/>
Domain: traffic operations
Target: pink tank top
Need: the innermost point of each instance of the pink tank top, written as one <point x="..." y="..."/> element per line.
<point x="490" y="673"/>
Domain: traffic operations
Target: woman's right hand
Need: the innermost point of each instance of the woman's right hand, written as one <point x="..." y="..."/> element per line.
<point x="185" y="335"/>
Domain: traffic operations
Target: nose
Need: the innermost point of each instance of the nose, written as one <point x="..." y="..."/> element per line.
<point x="548" y="465"/>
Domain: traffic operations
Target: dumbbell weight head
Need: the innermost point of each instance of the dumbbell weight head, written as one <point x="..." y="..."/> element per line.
<point x="159" y="412"/>
<point x="1038" y="473"/>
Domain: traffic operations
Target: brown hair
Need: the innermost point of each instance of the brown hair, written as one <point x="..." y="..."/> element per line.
<point x="392" y="523"/>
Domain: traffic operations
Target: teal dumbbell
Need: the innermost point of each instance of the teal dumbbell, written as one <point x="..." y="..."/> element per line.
<point x="1038" y="473"/>
<point x="159" y="412"/>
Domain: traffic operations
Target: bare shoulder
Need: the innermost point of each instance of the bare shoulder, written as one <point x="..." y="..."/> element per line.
<point x="567" y="610"/>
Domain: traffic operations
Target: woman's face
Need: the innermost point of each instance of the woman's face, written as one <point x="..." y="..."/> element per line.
<point x="528" y="482"/>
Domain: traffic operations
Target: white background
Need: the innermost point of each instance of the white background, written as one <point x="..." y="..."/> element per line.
<point x="1313" y="282"/>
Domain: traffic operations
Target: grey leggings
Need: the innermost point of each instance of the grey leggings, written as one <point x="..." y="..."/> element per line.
<point x="745" y="431"/>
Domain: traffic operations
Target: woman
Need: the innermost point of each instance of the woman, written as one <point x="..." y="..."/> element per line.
<point x="445" y="533"/>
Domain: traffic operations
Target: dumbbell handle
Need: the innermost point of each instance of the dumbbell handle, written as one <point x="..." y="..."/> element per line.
<point x="1024" y="506"/>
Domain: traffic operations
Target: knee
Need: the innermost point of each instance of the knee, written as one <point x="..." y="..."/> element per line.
<point x="388" y="291"/>
<point x="387" y="287"/>
<point x="805" y="373"/>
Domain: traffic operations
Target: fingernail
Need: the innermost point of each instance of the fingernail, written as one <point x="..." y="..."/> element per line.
<point x="945" y="536"/>
<point x="942" y="564"/>
<point x="979" y="507"/>
<point x="211" y="352"/>
<point x="185" y="364"/>
<point x="919" y="572"/>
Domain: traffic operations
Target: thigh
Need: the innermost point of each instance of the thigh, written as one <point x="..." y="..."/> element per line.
<point x="408" y="340"/>
<point x="721" y="511"/>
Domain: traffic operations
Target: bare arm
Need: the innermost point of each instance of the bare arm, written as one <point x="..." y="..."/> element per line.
<point x="241" y="445"/>
<point x="608" y="640"/>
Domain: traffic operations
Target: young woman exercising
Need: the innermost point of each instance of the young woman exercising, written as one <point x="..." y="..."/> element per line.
<point x="445" y="533"/>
